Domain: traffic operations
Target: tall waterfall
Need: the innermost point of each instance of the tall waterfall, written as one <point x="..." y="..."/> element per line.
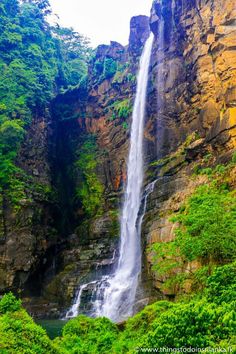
<point x="119" y="295"/>
<point x="115" y="294"/>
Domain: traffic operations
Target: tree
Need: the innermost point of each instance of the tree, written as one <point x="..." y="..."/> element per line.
<point x="43" y="5"/>
<point x="34" y="64"/>
<point x="75" y="53"/>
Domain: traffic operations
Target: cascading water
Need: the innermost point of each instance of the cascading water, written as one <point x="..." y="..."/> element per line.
<point x="74" y="310"/>
<point x="115" y="294"/>
<point x="161" y="64"/>
<point x="119" y="295"/>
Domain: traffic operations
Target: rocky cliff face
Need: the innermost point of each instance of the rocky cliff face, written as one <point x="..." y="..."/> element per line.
<point x="51" y="243"/>
<point x="192" y="106"/>
<point x="191" y="113"/>
<point x="30" y="235"/>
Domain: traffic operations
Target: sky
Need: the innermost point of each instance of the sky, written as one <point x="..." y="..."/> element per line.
<point x="102" y="21"/>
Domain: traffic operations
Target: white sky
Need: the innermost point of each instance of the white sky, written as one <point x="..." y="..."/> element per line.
<point x="103" y="20"/>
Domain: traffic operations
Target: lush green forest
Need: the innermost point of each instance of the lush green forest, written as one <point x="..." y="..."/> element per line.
<point x="37" y="61"/>
<point x="202" y="321"/>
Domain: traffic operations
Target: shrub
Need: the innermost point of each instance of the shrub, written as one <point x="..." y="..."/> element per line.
<point x="87" y="335"/>
<point x="125" y="125"/>
<point x="221" y="285"/>
<point x="208" y="225"/>
<point x="122" y="109"/>
<point x="109" y="68"/>
<point x="90" y="190"/>
<point x="18" y="332"/>
<point x="136" y="327"/>
<point x="206" y="232"/>
<point x="234" y="157"/>
<point x="9" y="303"/>
<point x="197" y="324"/>
<point x="131" y="78"/>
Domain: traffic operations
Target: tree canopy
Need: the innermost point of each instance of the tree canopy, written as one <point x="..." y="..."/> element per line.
<point x="37" y="61"/>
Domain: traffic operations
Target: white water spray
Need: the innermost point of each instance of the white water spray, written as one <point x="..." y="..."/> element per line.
<point x="119" y="295"/>
<point x="74" y="310"/>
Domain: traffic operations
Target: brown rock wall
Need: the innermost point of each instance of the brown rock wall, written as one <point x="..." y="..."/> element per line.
<point x="192" y="92"/>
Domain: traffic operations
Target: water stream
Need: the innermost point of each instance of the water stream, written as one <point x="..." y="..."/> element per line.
<point x="115" y="294"/>
<point x="119" y="295"/>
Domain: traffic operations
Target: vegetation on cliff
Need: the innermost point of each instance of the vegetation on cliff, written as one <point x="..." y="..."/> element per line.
<point x="105" y="69"/>
<point x="90" y="190"/>
<point x="204" y="321"/>
<point x="36" y="61"/>
<point x="205" y="236"/>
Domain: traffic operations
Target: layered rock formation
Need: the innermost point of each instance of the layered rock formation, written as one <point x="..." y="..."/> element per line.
<point x="192" y="105"/>
<point x="104" y="113"/>
<point x="30" y="234"/>
<point x="84" y="244"/>
<point x="53" y="245"/>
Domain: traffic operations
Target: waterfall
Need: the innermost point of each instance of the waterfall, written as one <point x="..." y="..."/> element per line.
<point x="95" y="298"/>
<point x="161" y="65"/>
<point x="74" y="310"/>
<point x="115" y="293"/>
<point x="119" y="295"/>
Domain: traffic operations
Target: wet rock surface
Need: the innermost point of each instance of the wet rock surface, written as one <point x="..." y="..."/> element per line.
<point x="191" y="112"/>
<point x="194" y="114"/>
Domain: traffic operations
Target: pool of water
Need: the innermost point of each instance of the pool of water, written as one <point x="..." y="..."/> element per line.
<point x="53" y="327"/>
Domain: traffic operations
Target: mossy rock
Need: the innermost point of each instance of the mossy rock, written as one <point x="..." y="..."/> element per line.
<point x="57" y="290"/>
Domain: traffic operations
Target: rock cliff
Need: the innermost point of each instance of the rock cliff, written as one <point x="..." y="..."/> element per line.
<point x="191" y="111"/>
<point x="191" y="114"/>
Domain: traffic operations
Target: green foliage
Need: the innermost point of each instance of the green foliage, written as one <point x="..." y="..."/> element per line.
<point x="202" y="322"/>
<point x="221" y="285"/>
<point x="125" y="125"/>
<point x="109" y="68"/>
<point x="87" y="335"/>
<point x="164" y="254"/>
<point x="131" y="78"/>
<point x="208" y="225"/>
<point x="118" y="78"/>
<point x="18" y="332"/>
<point x="161" y="162"/>
<point x="90" y="190"/>
<point x="122" y="109"/>
<point x="207" y="157"/>
<point x="213" y="173"/>
<point x="234" y="157"/>
<point x="35" y="61"/>
<point x="11" y="135"/>
<point x="220" y="169"/>
<point x="121" y="74"/>
<point x="206" y="171"/>
<point x="75" y="52"/>
<point x="9" y="303"/>
<point x="197" y="324"/>
<point x="138" y="326"/>
<point x="206" y="233"/>
<point x="106" y="69"/>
